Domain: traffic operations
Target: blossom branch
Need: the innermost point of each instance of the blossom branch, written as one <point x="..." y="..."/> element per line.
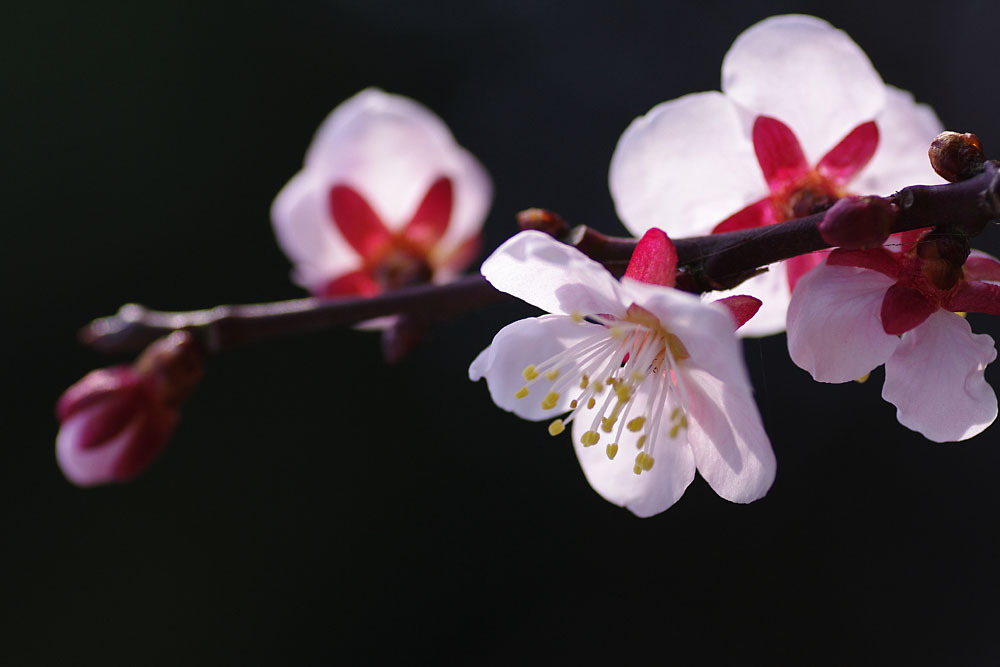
<point x="718" y="261"/>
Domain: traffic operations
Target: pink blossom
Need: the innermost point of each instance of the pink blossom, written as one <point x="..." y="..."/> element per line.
<point x="864" y="308"/>
<point x="646" y="372"/>
<point x="802" y="120"/>
<point x="386" y="198"/>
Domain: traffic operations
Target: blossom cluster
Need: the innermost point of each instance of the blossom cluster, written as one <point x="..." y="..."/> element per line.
<point x="649" y="379"/>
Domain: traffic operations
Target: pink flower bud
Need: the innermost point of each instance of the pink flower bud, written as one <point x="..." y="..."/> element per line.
<point x="858" y="223"/>
<point x="116" y="420"/>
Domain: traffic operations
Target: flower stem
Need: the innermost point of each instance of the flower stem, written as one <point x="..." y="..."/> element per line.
<point x="718" y="261"/>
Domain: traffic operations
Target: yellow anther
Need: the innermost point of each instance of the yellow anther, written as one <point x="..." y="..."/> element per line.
<point x="610" y="381"/>
<point x="556" y="427"/>
<point x="598" y="388"/>
<point x="961" y="313"/>
<point x="637" y="469"/>
<point x="529" y="373"/>
<point x="616" y="332"/>
<point x="521" y="393"/>
<point x="572" y="404"/>
<point x="577" y="317"/>
<point x="636" y="424"/>
<point x="550" y="400"/>
<point x="553" y="374"/>
<point x="642" y="441"/>
<point x="591" y="403"/>
<point x="675" y="429"/>
<point x="612" y="450"/>
<point x="675" y="413"/>
<point x="638" y="376"/>
<point x="624" y="393"/>
<point x="607" y="423"/>
<point x="590" y="438"/>
<point x="644" y="460"/>
<point x="863" y="378"/>
<point x="584" y="381"/>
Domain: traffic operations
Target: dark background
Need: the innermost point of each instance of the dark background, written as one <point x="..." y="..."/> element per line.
<point x="317" y="507"/>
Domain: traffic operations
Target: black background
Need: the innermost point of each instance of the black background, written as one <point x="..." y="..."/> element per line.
<point x="318" y="507"/>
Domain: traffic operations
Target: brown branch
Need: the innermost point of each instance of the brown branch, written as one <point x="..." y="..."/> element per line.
<point x="719" y="261"/>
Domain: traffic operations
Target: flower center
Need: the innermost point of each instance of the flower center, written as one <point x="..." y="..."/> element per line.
<point x="623" y="376"/>
<point x="810" y="194"/>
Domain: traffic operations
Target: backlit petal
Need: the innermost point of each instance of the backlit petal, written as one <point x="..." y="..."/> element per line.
<point x="684" y="166"/>
<point x="516" y="346"/>
<point x="778" y="153"/>
<point x="553" y="276"/>
<point x="834" y="329"/>
<point x="731" y="449"/>
<point x="851" y="155"/>
<point x="771" y="288"/>
<point x="935" y="379"/>
<point x="806" y="73"/>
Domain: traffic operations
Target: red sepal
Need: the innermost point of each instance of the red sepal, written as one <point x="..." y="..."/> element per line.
<point x="430" y="222"/>
<point x="778" y="153"/>
<point x="357" y="221"/>
<point x="851" y="155"/>
<point x="904" y="308"/>
<point x="741" y="307"/>
<point x="654" y="260"/>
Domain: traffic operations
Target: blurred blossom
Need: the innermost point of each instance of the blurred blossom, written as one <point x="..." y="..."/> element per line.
<point x="647" y="373"/>
<point x="802" y="120"/>
<point x="386" y="198"/>
<point x="116" y="420"/>
<point x="864" y="308"/>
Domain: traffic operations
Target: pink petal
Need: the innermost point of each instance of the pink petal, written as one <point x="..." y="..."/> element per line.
<point x="851" y="155"/>
<point x="876" y="259"/>
<point x="430" y="222"/>
<point x="741" y="307"/>
<point x="809" y="75"/>
<point x="904" y="308"/>
<point x="778" y="153"/>
<point x="654" y="260"/>
<point x="358" y="283"/>
<point x="834" y="329"/>
<point x="935" y="379"/>
<point x="757" y="214"/>
<point x="357" y="222"/>
<point x="980" y="266"/>
<point x="684" y="166"/>
<point x="731" y="449"/>
<point x="553" y="276"/>
<point x="644" y="495"/>
<point x="529" y="341"/>
<point x="796" y="267"/>
<point x="975" y="297"/>
<point x="905" y="132"/>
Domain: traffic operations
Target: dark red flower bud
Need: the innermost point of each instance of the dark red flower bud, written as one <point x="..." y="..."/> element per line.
<point x="956" y="157"/>
<point x="116" y="420"/>
<point x="858" y="223"/>
<point x="944" y="252"/>
<point x="543" y="221"/>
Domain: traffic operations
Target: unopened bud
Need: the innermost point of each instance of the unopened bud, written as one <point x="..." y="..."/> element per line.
<point x="116" y="420"/>
<point x="956" y="157"/>
<point x="543" y="221"/>
<point x="858" y="222"/>
<point x="943" y="253"/>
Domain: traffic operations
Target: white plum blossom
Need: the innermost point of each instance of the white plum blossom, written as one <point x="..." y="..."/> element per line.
<point x="803" y="119"/>
<point x="860" y="309"/>
<point x="385" y="198"/>
<point x="647" y="373"/>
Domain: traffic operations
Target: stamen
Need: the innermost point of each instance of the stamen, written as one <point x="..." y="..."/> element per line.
<point x="592" y="402"/>
<point x="590" y="438"/>
<point x="612" y="450"/>
<point x="521" y="393"/>
<point x="550" y="400"/>
<point x="636" y="424"/>
<point x="529" y="373"/>
<point x="556" y="427"/>
<point x="553" y="374"/>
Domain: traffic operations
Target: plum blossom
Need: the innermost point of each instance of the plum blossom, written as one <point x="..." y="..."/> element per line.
<point x="647" y="373"/>
<point x="864" y="308"/>
<point x="386" y="198"/>
<point x="803" y="119"/>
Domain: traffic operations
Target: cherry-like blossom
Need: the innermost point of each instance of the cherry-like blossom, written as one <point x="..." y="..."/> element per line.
<point x="864" y="308"/>
<point x="802" y="120"/>
<point x="647" y="373"/>
<point x="386" y="198"/>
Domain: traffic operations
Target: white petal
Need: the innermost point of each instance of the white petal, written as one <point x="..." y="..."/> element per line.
<point x="684" y="167"/>
<point x="391" y="148"/>
<point x="519" y="344"/>
<point x="644" y="495"/>
<point x="935" y="379"/>
<point x="306" y="233"/>
<point x="705" y="329"/>
<point x="553" y="276"/>
<point x="906" y="130"/>
<point x="834" y="324"/>
<point x="732" y="451"/>
<point x="772" y="290"/>
<point x="807" y="74"/>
